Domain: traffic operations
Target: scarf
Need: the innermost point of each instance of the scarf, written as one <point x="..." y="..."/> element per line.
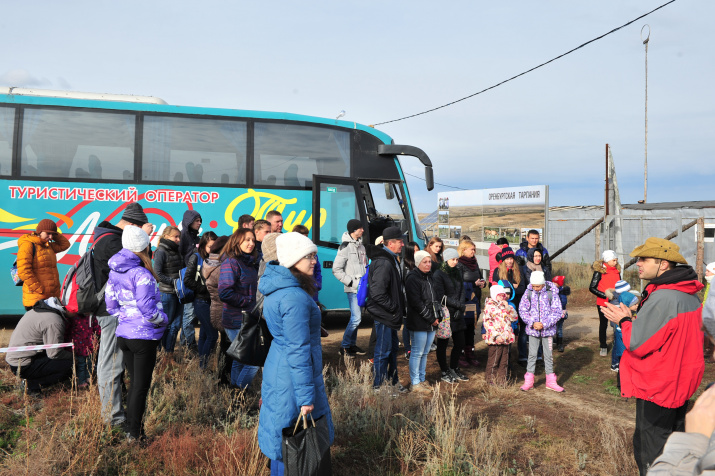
<point x="470" y="263"/>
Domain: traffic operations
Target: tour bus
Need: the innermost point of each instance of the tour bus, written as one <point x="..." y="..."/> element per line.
<point x="79" y="158"/>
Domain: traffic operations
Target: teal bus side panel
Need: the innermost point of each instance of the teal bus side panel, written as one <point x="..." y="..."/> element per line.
<point x="79" y="207"/>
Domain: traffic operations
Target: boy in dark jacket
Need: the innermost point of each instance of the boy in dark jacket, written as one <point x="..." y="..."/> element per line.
<point x="190" y="226"/>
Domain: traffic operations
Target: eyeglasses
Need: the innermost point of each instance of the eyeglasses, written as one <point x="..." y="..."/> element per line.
<point x="311" y="257"/>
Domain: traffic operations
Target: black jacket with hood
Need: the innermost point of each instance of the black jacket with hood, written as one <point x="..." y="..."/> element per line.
<point x="103" y="249"/>
<point x="189" y="237"/>
<point x="421" y="300"/>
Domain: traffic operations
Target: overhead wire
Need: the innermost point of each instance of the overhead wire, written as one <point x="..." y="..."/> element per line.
<point x="527" y="71"/>
<point x="436" y="183"/>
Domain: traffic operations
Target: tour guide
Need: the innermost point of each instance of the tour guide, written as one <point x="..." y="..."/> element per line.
<point x="663" y="362"/>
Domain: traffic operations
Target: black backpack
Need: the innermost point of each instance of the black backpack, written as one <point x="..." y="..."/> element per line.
<point x="80" y="290"/>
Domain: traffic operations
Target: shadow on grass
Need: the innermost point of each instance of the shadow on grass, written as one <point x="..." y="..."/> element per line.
<point x="572" y="361"/>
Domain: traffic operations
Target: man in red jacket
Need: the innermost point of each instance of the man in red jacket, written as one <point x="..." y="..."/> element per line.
<point x="663" y="363"/>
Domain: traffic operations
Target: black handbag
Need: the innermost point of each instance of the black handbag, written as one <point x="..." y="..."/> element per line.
<point x="306" y="452"/>
<point x="253" y="342"/>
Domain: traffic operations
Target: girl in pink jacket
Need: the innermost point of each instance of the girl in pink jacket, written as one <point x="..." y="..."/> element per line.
<point x="497" y="319"/>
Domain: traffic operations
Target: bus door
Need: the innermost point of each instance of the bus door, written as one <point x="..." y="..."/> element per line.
<point x="378" y="204"/>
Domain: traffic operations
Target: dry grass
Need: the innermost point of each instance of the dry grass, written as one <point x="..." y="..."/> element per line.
<point x="196" y="428"/>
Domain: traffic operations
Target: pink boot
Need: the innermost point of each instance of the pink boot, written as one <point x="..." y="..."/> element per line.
<point x="551" y="383"/>
<point x="528" y="382"/>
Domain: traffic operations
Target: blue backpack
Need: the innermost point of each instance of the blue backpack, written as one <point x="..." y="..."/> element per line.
<point x="183" y="293"/>
<point x="362" y="288"/>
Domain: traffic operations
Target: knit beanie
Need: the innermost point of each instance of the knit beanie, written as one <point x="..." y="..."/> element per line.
<point x="46" y="225"/>
<point x="558" y="280"/>
<point x="537" y="278"/>
<point x="134" y="214"/>
<point x="450" y="253"/>
<point x="608" y="255"/>
<point x="622" y="286"/>
<point x="354" y="225"/>
<point x="710" y="267"/>
<point x="268" y="247"/>
<point x="420" y="255"/>
<point x="507" y="252"/>
<point x="134" y="239"/>
<point x="495" y="290"/>
<point x="293" y="247"/>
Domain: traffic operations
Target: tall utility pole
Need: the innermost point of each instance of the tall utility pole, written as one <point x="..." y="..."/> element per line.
<point x="645" y="167"/>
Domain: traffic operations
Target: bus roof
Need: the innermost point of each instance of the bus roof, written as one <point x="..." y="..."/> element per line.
<point x="127" y="102"/>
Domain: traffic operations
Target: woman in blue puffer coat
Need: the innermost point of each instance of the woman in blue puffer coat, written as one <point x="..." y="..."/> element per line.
<point x="133" y="297"/>
<point x="293" y="372"/>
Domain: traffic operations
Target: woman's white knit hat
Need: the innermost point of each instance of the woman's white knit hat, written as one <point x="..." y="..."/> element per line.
<point x="537" y="278"/>
<point x="134" y="239"/>
<point x="608" y="255"/>
<point x="293" y="247"/>
<point x="420" y="255"/>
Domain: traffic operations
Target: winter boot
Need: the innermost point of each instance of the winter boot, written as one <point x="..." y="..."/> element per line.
<point x="528" y="382"/>
<point x="560" y="344"/>
<point x="551" y="383"/>
<point x="469" y="355"/>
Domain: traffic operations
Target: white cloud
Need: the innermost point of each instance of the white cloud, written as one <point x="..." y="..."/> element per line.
<point x="22" y="78"/>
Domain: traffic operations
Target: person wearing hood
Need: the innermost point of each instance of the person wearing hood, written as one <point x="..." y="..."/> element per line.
<point x="237" y="285"/>
<point x="190" y="227"/>
<point x="42" y="324"/>
<point x="509" y="271"/>
<point x="662" y="365"/>
<point x="499" y="333"/>
<point x="422" y="321"/>
<point x="168" y="262"/>
<point x="202" y="299"/>
<point x="533" y="242"/>
<point x="108" y="242"/>
<point x="473" y="285"/>
<point x="133" y="298"/>
<point x="210" y="272"/>
<point x="348" y="268"/>
<point x="606" y="273"/>
<point x="534" y="262"/>
<point x="37" y="262"/>
<point x="293" y="372"/>
<point x="449" y="282"/>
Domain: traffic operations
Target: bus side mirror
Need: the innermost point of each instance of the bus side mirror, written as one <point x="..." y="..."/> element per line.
<point x="389" y="192"/>
<point x="429" y="177"/>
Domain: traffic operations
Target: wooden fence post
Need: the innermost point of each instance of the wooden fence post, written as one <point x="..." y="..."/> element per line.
<point x="597" y="233"/>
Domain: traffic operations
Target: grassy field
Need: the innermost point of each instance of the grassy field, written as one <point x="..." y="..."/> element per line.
<point x="194" y="427"/>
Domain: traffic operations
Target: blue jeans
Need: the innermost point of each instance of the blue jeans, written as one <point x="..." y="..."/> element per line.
<point x="421" y="343"/>
<point x="277" y="468"/>
<point x="241" y="375"/>
<point x="208" y="335"/>
<point x="618" y="346"/>
<point x="187" y="328"/>
<point x="84" y="368"/>
<point x="173" y="310"/>
<point x="385" y="359"/>
<point x="406" y="337"/>
<point x="351" y="331"/>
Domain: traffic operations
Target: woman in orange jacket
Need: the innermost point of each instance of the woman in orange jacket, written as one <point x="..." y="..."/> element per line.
<point x="37" y="262"/>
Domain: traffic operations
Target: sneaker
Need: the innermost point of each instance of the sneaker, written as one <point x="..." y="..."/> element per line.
<point x="614" y="367"/>
<point x="456" y="373"/>
<point x="346" y="352"/>
<point x="356" y="350"/>
<point x="401" y="388"/>
<point x="604" y="352"/>
<point x="372" y="361"/>
<point x="407" y="354"/>
<point x="448" y="377"/>
<point x="433" y="347"/>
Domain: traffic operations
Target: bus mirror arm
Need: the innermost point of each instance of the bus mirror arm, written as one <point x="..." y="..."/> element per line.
<point x="390" y="150"/>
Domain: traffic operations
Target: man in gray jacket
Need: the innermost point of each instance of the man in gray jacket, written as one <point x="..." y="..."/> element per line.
<point x="349" y="267"/>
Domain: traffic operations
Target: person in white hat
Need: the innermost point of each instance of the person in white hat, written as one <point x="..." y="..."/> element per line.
<point x="540" y="309"/>
<point x="606" y="273"/>
<point x="293" y="372"/>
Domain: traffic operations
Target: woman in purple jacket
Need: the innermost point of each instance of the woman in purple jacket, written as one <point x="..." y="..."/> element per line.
<point x="237" y="284"/>
<point x="132" y="296"/>
<point x="540" y="309"/>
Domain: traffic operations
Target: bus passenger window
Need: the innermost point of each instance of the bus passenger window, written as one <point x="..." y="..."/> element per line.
<point x="196" y="151"/>
<point x="7" y="127"/>
<point x="77" y="144"/>
<point x="288" y="155"/>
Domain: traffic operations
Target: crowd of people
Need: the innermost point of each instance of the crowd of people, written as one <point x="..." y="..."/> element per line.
<point x="433" y="295"/>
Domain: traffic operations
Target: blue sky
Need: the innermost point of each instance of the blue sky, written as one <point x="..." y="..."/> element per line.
<point x="383" y="60"/>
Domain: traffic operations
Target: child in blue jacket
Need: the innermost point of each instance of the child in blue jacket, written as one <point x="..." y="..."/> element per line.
<point x="564" y="292"/>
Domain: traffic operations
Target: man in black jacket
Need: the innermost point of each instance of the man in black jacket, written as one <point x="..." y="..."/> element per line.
<point x="190" y="226"/>
<point x="108" y="242"/>
<point x="386" y="304"/>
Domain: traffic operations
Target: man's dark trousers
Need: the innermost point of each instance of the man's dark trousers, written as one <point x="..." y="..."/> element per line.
<point x="654" y="424"/>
